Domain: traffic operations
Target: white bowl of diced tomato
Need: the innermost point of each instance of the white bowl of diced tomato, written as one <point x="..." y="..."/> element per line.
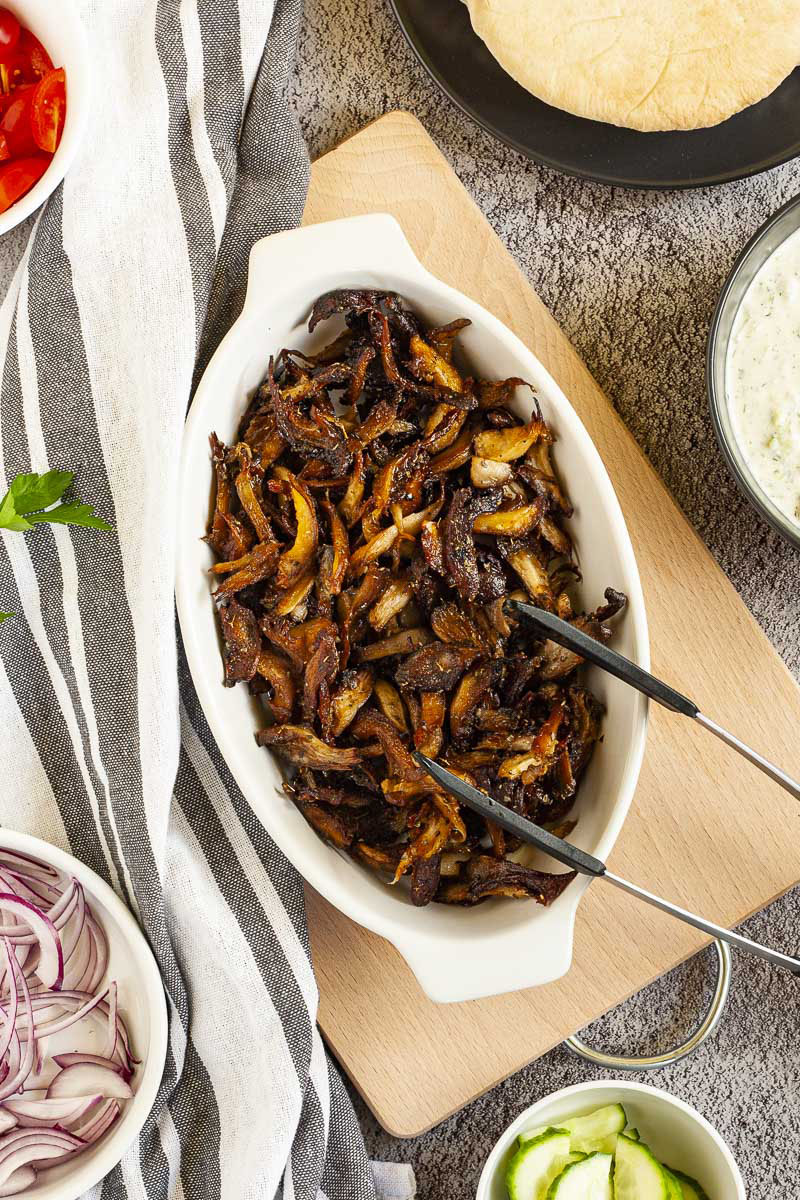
<point x="44" y="100"/>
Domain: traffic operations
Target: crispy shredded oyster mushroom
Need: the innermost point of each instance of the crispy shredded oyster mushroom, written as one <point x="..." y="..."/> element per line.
<point x="376" y="511"/>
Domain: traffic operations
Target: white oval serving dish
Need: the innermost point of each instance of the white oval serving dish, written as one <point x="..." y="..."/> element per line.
<point x="676" y="1133"/>
<point x="143" y="1006"/>
<point x="58" y="27"/>
<point x="456" y="954"/>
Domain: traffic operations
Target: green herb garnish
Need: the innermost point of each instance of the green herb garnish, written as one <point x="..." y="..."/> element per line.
<point x="29" y="501"/>
<point x="32" y="500"/>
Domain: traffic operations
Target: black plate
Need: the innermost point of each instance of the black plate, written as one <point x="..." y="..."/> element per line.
<point x="763" y="136"/>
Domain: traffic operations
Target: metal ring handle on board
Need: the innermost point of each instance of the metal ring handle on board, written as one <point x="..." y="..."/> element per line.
<point x="617" y="1062"/>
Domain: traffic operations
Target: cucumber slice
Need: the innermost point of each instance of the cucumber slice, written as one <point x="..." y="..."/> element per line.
<point x="528" y="1135"/>
<point x="674" y="1190"/>
<point x="690" y="1188"/>
<point x="536" y="1164"/>
<point x="588" y="1179"/>
<point x="597" y="1130"/>
<point x="638" y="1175"/>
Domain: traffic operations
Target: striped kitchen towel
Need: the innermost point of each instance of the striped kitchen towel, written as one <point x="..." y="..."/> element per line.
<point x="133" y="271"/>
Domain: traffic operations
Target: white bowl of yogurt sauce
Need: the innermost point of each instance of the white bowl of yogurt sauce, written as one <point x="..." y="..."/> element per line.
<point x="754" y="370"/>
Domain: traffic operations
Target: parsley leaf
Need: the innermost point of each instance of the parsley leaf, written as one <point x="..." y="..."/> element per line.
<point x="30" y="493"/>
<point x="73" y="513"/>
<point x="29" y="499"/>
<point x="9" y="519"/>
<point x="5" y="616"/>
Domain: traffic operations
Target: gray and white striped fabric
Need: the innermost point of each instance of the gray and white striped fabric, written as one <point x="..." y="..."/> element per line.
<point x="134" y="270"/>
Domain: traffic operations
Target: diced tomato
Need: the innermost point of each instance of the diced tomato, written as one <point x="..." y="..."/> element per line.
<point x="30" y="61"/>
<point x="9" y="34"/>
<point x="33" y="105"/>
<point x="48" y="110"/>
<point x="19" y="176"/>
<point x="16" y="123"/>
<point x="29" y="45"/>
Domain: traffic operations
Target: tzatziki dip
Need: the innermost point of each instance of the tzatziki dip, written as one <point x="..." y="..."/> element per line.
<point x="762" y="377"/>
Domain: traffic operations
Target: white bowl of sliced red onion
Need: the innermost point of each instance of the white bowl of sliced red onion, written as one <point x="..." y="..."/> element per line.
<point x="74" y="1096"/>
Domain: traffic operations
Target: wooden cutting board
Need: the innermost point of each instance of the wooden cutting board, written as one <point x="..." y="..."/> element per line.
<point x="705" y="828"/>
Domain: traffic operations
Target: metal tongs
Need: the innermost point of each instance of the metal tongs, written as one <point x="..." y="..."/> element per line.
<point x="620" y="666"/>
<point x="586" y="864"/>
<point x="571" y="856"/>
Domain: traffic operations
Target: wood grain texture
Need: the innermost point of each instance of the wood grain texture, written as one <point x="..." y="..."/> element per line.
<point x="705" y="829"/>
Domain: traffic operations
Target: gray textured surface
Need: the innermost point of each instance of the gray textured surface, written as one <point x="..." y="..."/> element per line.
<point x="632" y="278"/>
<point x="12" y="246"/>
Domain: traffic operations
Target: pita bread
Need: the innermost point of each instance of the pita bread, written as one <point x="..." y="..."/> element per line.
<point x="645" y="64"/>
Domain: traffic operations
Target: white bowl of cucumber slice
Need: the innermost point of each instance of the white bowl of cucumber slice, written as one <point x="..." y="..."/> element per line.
<point x="616" y="1140"/>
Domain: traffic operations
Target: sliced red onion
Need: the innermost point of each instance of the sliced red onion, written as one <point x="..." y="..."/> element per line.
<point x="52" y="1143"/>
<point x="25" y="956"/>
<point x="37" y="1146"/>
<point x="67" y="1111"/>
<point x="59" y="914"/>
<point x="84" y="1079"/>
<point x="40" y="894"/>
<point x="13" y="1058"/>
<point x="101" y="955"/>
<point x="72" y="935"/>
<point x="64" y="907"/>
<point x="94" y="1129"/>
<point x="86" y="968"/>
<point x="53" y="959"/>
<point x="18" y="1181"/>
<point x="75" y="1057"/>
<point x="111" y="1037"/>
<point x="57" y="1015"/>
<point x="10" y="1017"/>
<point x="46" y="1028"/>
<point x="26" y="864"/>
<point x="51" y="1136"/>
<point x="11" y="1139"/>
<point x="70" y="1000"/>
<point x="87" y="977"/>
<point x="50" y="968"/>
<point x="14" y="1081"/>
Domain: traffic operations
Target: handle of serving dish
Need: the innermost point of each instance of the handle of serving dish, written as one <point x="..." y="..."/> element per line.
<point x="458" y="977"/>
<point x="453" y="966"/>
<point x="372" y="245"/>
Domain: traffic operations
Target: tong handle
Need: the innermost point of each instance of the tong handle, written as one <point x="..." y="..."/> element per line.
<point x="584" y="863"/>
<point x="616" y="664"/>
<point x="717" y="931"/>
<point x="506" y="818"/>
<point x="610" y="660"/>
